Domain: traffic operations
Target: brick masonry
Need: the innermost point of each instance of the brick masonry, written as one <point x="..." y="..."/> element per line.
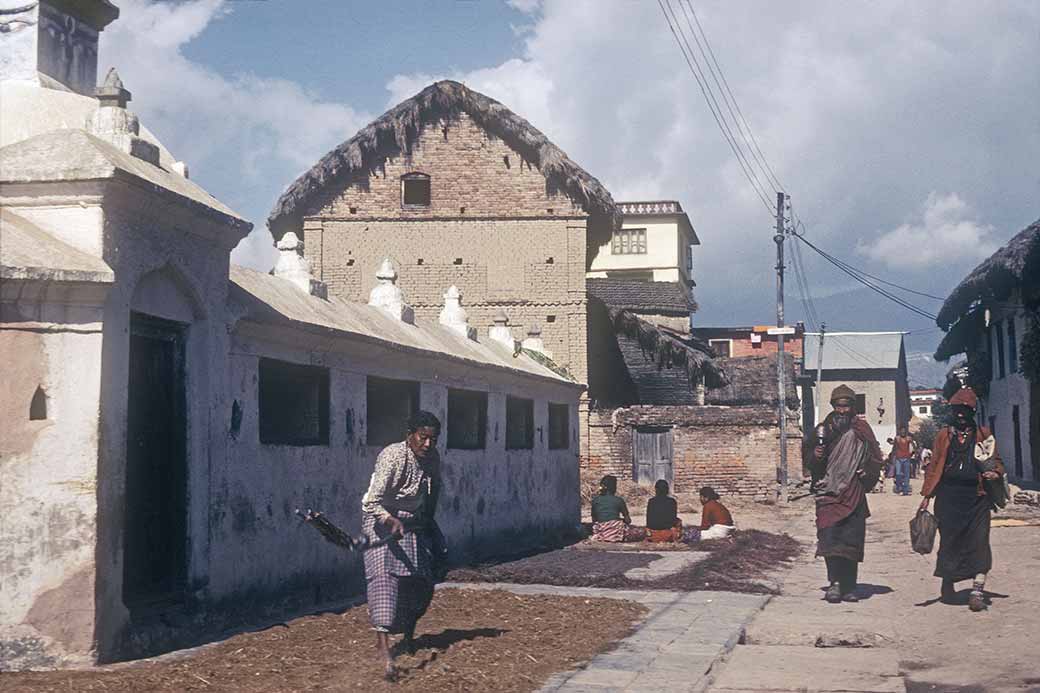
<point x="733" y="449"/>
<point x="494" y="228"/>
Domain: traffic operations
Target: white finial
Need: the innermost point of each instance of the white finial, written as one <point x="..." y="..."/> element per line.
<point x="454" y="316"/>
<point x="116" y="125"/>
<point x="534" y="341"/>
<point x="387" y="296"/>
<point x="294" y="267"/>
<point x="500" y="331"/>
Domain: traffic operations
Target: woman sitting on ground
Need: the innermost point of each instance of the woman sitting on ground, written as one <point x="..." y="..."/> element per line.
<point x="716" y="521"/>
<point x="610" y="518"/>
<point x="662" y="515"/>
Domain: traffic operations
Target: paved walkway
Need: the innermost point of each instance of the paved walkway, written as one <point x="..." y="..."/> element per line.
<point x="674" y="649"/>
<point x="898" y="637"/>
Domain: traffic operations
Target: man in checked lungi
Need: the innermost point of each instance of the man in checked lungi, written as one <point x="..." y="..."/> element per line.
<point x="400" y="503"/>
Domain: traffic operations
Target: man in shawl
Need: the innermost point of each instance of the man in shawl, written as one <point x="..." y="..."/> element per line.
<point x="845" y="462"/>
<point x="400" y="504"/>
<point x="963" y="458"/>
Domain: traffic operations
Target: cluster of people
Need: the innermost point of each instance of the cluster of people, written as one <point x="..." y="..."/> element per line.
<point x="611" y="521"/>
<point x="845" y="462"/>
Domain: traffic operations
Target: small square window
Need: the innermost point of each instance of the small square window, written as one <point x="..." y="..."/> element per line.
<point x="519" y="423"/>
<point x="723" y="348"/>
<point x="293" y="403"/>
<point x="415" y="190"/>
<point x="467" y="419"/>
<point x="389" y="403"/>
<point x="559" y="426"/>
<point x="629" y="242"/>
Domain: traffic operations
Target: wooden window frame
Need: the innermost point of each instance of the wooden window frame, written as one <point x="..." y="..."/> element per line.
<point x="628" y="242"/>
<point x="412" y="178"/>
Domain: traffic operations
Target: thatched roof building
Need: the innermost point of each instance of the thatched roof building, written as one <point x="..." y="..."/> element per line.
<point x="1016" y="265"/>
<point x="752" y="381"/>
<point x="397" y="130"/>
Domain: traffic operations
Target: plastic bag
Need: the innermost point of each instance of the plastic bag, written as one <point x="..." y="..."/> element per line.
<point x="922" y="532"/>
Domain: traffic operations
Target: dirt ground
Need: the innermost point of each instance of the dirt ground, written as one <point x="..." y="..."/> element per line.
<point x="739" y="563"/>
<point x="468" y="641"/>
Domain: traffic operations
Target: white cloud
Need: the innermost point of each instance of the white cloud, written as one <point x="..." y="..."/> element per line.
<point x="861" y="115"/>
<point x="240" y="135"/>
<point x="945" y="234"/>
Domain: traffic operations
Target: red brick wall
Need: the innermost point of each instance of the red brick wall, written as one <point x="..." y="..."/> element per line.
<point x="742" y="346"/>
<point x="735" y="450"/>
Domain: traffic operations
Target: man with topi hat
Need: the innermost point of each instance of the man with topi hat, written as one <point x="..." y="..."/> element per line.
<point x="963" y="456"/>
<point x="845" y="462"/>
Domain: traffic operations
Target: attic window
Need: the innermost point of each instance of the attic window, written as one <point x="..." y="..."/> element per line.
<point x="38" y="405"/>
<point x="415" y="190"/>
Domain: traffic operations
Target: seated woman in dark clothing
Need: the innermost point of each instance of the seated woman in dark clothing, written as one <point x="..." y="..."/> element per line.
<point x="662" y="516"/>
<point x="610" y="518"/>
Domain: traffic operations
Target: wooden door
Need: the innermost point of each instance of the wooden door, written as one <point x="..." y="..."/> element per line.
<point x="652" y="455"/>
<point x="155" y="529"/>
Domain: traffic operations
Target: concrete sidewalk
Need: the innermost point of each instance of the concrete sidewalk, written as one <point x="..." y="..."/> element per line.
<point x="674" y="649"/>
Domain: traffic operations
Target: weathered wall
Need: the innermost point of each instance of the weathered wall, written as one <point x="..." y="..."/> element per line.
<point x="50" y="336"/>
<point x="735" y="450"/>
<point x="1009" y="391"/>
<point x="489" y="495"/>
<point x="494" y="228"/>
<point x="879" y="387"/>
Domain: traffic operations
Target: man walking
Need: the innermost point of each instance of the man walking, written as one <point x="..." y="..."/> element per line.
<point x="903" y="448"/>
<point x="400" y="503"/>
<point x="844" y="467"/>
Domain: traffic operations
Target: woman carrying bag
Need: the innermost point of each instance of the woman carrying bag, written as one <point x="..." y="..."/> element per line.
<point x="965" y="460"/>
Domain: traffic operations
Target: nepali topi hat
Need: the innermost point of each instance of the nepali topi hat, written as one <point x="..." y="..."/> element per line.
<point x="842" y="392"/>
<point x="965" y="397"/>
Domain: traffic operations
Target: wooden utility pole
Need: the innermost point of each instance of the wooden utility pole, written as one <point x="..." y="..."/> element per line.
<point x="781" y="402"/>
<point x="819" y="375"/>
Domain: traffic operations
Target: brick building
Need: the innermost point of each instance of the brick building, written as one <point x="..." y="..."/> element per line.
<point x="753" y="340"/>
<point x="456" y="189"/>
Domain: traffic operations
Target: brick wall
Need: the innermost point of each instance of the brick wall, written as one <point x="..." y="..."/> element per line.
<point x="735" y="450"/>
<point x="494" y="228"/>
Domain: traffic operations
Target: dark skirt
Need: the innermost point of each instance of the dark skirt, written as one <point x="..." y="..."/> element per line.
<point x="846" y="538"/>
<point x="963" y="517"/>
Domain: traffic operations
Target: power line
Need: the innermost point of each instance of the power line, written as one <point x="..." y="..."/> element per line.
<point x="852" y="273"/>
<point x="724" y="88"/>
<point x="691" y="60"/>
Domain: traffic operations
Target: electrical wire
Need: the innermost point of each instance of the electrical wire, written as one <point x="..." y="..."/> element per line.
<point x="716" y="112"/>
<point x="731" y="103"/>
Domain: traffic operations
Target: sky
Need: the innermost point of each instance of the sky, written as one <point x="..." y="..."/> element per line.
<point x="906" y="134"/>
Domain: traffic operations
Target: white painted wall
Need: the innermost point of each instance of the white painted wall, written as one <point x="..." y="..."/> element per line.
<point x="665" y="250"/>
<point x="1009" y="391"/>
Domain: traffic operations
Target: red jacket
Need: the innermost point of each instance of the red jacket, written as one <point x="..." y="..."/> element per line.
<point x="933" y="472"/>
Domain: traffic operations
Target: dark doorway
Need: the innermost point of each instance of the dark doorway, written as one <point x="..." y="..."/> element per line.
<point x="155" y="524"/>
<point x="652" y="455"/>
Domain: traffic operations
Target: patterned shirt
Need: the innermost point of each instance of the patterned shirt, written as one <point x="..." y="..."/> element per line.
<point x="402" y="486"/>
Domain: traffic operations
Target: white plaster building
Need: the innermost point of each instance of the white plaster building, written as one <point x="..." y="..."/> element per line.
<point x="166" y="412"/>
<point x="922" y="402"/>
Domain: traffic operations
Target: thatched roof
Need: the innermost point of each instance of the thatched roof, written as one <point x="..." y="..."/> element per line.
<point x="1017" y="264"/>
<point x="669" y="350"/>
<point x="401" y="126"/>
<point x="962" y="334"/>
<point x="752" y="380"/>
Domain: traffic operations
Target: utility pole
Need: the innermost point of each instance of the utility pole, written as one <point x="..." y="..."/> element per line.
<point x="781" y="405"/>
<point x="819" y="375"/>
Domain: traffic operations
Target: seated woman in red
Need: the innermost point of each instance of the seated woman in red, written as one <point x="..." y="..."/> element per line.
<point x="716" y="521"/>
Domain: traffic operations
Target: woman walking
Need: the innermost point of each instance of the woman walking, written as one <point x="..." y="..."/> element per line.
<point x="965" y="455"/>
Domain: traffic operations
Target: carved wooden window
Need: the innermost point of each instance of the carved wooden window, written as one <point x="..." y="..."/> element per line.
<point x="415" y="190"/>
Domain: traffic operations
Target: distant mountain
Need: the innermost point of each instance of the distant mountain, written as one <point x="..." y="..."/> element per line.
<point x="923" y="371"/>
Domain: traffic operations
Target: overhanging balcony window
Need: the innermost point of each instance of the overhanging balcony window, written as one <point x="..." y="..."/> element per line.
<point x="629" y="242"/>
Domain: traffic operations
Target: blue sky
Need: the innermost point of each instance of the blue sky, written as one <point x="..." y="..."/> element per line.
<point x="906" y="133"/>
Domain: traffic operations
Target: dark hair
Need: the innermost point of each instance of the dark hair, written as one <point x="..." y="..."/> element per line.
<point x="608" y="483"/>
<point x="423" y="419"/>
<point x="661" y="487"/>
<point x="709" y="493"/>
